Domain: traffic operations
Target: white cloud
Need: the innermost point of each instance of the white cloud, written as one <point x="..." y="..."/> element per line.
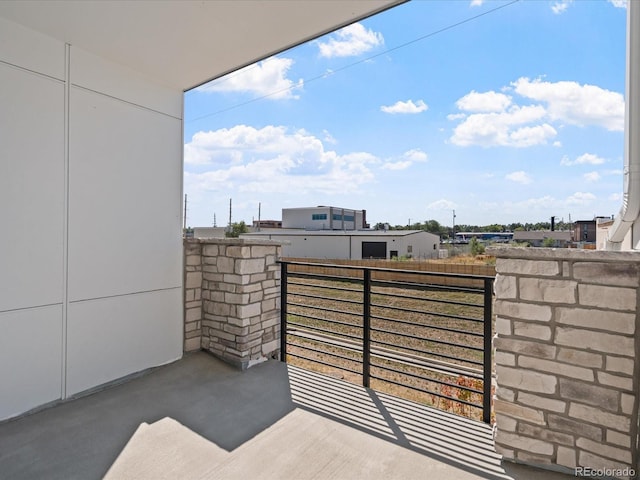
<point x="350" y="41"/>
<point x="576" y="104"/>
<point x="402" y="165"/>
<point x="408" y="158"/>
<point x="498" y="121"/>
<point x="561" y="6"/>
<point x="581" y="198"/>
<point x="415" y="155"/>
<point x="266" y="78"/>
<point x="591" y="176"/>
<point x="405" y="107"/>
<point x="519" y="177"/>
<point x="442" y="204"/>
<point x="618" y="3"/>
<point x="584" y="159"/>
<point x="615" y="197"/>
<point x="484" y="102"/>
<point x="328" y="138"/>
<point x="504" y="128"/>
<point x="530" y="136"/>
<point x="476" y="3"/>
<point x="272" y="159"/>
<point x="545" y="203"/>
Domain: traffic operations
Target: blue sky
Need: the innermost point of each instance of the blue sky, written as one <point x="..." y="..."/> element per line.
<point x="513" y="116"/>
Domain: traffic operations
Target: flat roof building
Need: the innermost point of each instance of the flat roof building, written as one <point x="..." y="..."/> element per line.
<point x="353" y="245"/>
<point x="324" y="218"/>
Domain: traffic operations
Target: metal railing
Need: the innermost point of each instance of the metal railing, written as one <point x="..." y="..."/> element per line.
<point x="425" y="332"/>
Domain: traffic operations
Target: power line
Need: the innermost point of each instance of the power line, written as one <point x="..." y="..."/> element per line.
<point x="358" y="62"/>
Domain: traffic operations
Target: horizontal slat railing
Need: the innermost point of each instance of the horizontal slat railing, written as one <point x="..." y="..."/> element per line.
<point x="425" y="332"/>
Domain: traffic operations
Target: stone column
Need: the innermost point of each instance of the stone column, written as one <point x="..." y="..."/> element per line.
<point x="240" y="298"/>
<point x="192" y="295"/>
<point x="566" y="354"/>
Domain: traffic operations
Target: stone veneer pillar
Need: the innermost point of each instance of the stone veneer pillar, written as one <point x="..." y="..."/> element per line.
<point x="566" y="353"/>
<point x="232" y="298"/>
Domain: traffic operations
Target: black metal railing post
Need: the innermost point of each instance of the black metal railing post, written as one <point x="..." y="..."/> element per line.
<point x="486" y="383"/>
<point x="366" y="328"/>
<point x="283" y="312"/>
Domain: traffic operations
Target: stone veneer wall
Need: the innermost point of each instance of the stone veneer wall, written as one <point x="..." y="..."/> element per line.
<point x="232" y="298"/>
<point x="566" y="353"/>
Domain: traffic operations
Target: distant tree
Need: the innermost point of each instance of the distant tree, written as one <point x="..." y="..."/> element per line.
<point x="514" y="227"/>
<point x="433" y="226"/>
<point x="476" y="247"/>
<point x="237" y="229"/>
<point x="548" y="242"/>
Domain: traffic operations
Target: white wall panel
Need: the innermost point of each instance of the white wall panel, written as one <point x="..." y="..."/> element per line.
<point x="113" y="337"/>
<point x="315" y="246"/>
<point x="124" y="198"/>
<point x="31" y="188"/>
<point x="95" y="73"/>
<point x="30" y="358"/>
<point x="31" y="50"/>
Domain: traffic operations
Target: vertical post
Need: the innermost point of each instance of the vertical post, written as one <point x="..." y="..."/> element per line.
<point x="486" y="383"/>
<point x="366" y="327"/>
<point x="283" y="312"/>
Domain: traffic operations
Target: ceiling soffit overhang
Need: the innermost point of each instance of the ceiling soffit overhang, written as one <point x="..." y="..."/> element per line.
<point x="183" y="44"/>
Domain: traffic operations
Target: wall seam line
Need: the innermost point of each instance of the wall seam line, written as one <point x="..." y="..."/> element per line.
<point x="65" y="224"/>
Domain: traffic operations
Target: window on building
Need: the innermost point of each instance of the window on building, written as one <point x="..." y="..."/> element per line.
<point x="347" y="218"/>
<point x="319" y="216"/>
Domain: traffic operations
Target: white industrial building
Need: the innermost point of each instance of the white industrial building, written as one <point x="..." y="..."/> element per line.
<point x="91" y="149"/>
<point x="324" y="218"/>
<point x="353" y="245"/>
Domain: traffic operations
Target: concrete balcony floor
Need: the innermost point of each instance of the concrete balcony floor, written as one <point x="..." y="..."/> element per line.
<point x="198" y="418"/>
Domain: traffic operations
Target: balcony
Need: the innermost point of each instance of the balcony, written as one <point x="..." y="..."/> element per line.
<point x="566" y="393"/>
<point x="200" y="418"/>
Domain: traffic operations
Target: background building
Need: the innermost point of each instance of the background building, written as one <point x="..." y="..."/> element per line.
<point x="537" y="237"/>
<point x="324" y="218"/>
<point x="267" y="224"/>
<point x="584" y="231"/>
<point x="353" y="245"/>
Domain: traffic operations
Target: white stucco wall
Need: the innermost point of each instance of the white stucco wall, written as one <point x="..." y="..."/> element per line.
<point x="90" y="154"/>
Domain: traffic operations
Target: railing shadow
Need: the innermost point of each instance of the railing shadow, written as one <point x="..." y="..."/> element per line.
<point x="457" y="441"/>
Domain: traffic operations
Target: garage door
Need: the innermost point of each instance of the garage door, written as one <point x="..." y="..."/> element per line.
<point x="374" y="250"/>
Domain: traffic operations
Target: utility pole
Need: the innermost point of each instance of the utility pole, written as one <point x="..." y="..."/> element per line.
<point x="230" y="214"/>
<point x="453" y="233"/>
<point x="259" y="208"/>
<point x="184" y="219"/>
<point x="214" y="220"/>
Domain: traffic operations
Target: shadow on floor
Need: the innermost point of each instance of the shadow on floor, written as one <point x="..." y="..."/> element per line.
<point x="80" y="439"/>
<point x="199" y="418"/>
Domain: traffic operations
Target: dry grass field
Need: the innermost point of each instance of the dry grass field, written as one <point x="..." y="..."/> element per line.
<point x="426" y="340"/>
